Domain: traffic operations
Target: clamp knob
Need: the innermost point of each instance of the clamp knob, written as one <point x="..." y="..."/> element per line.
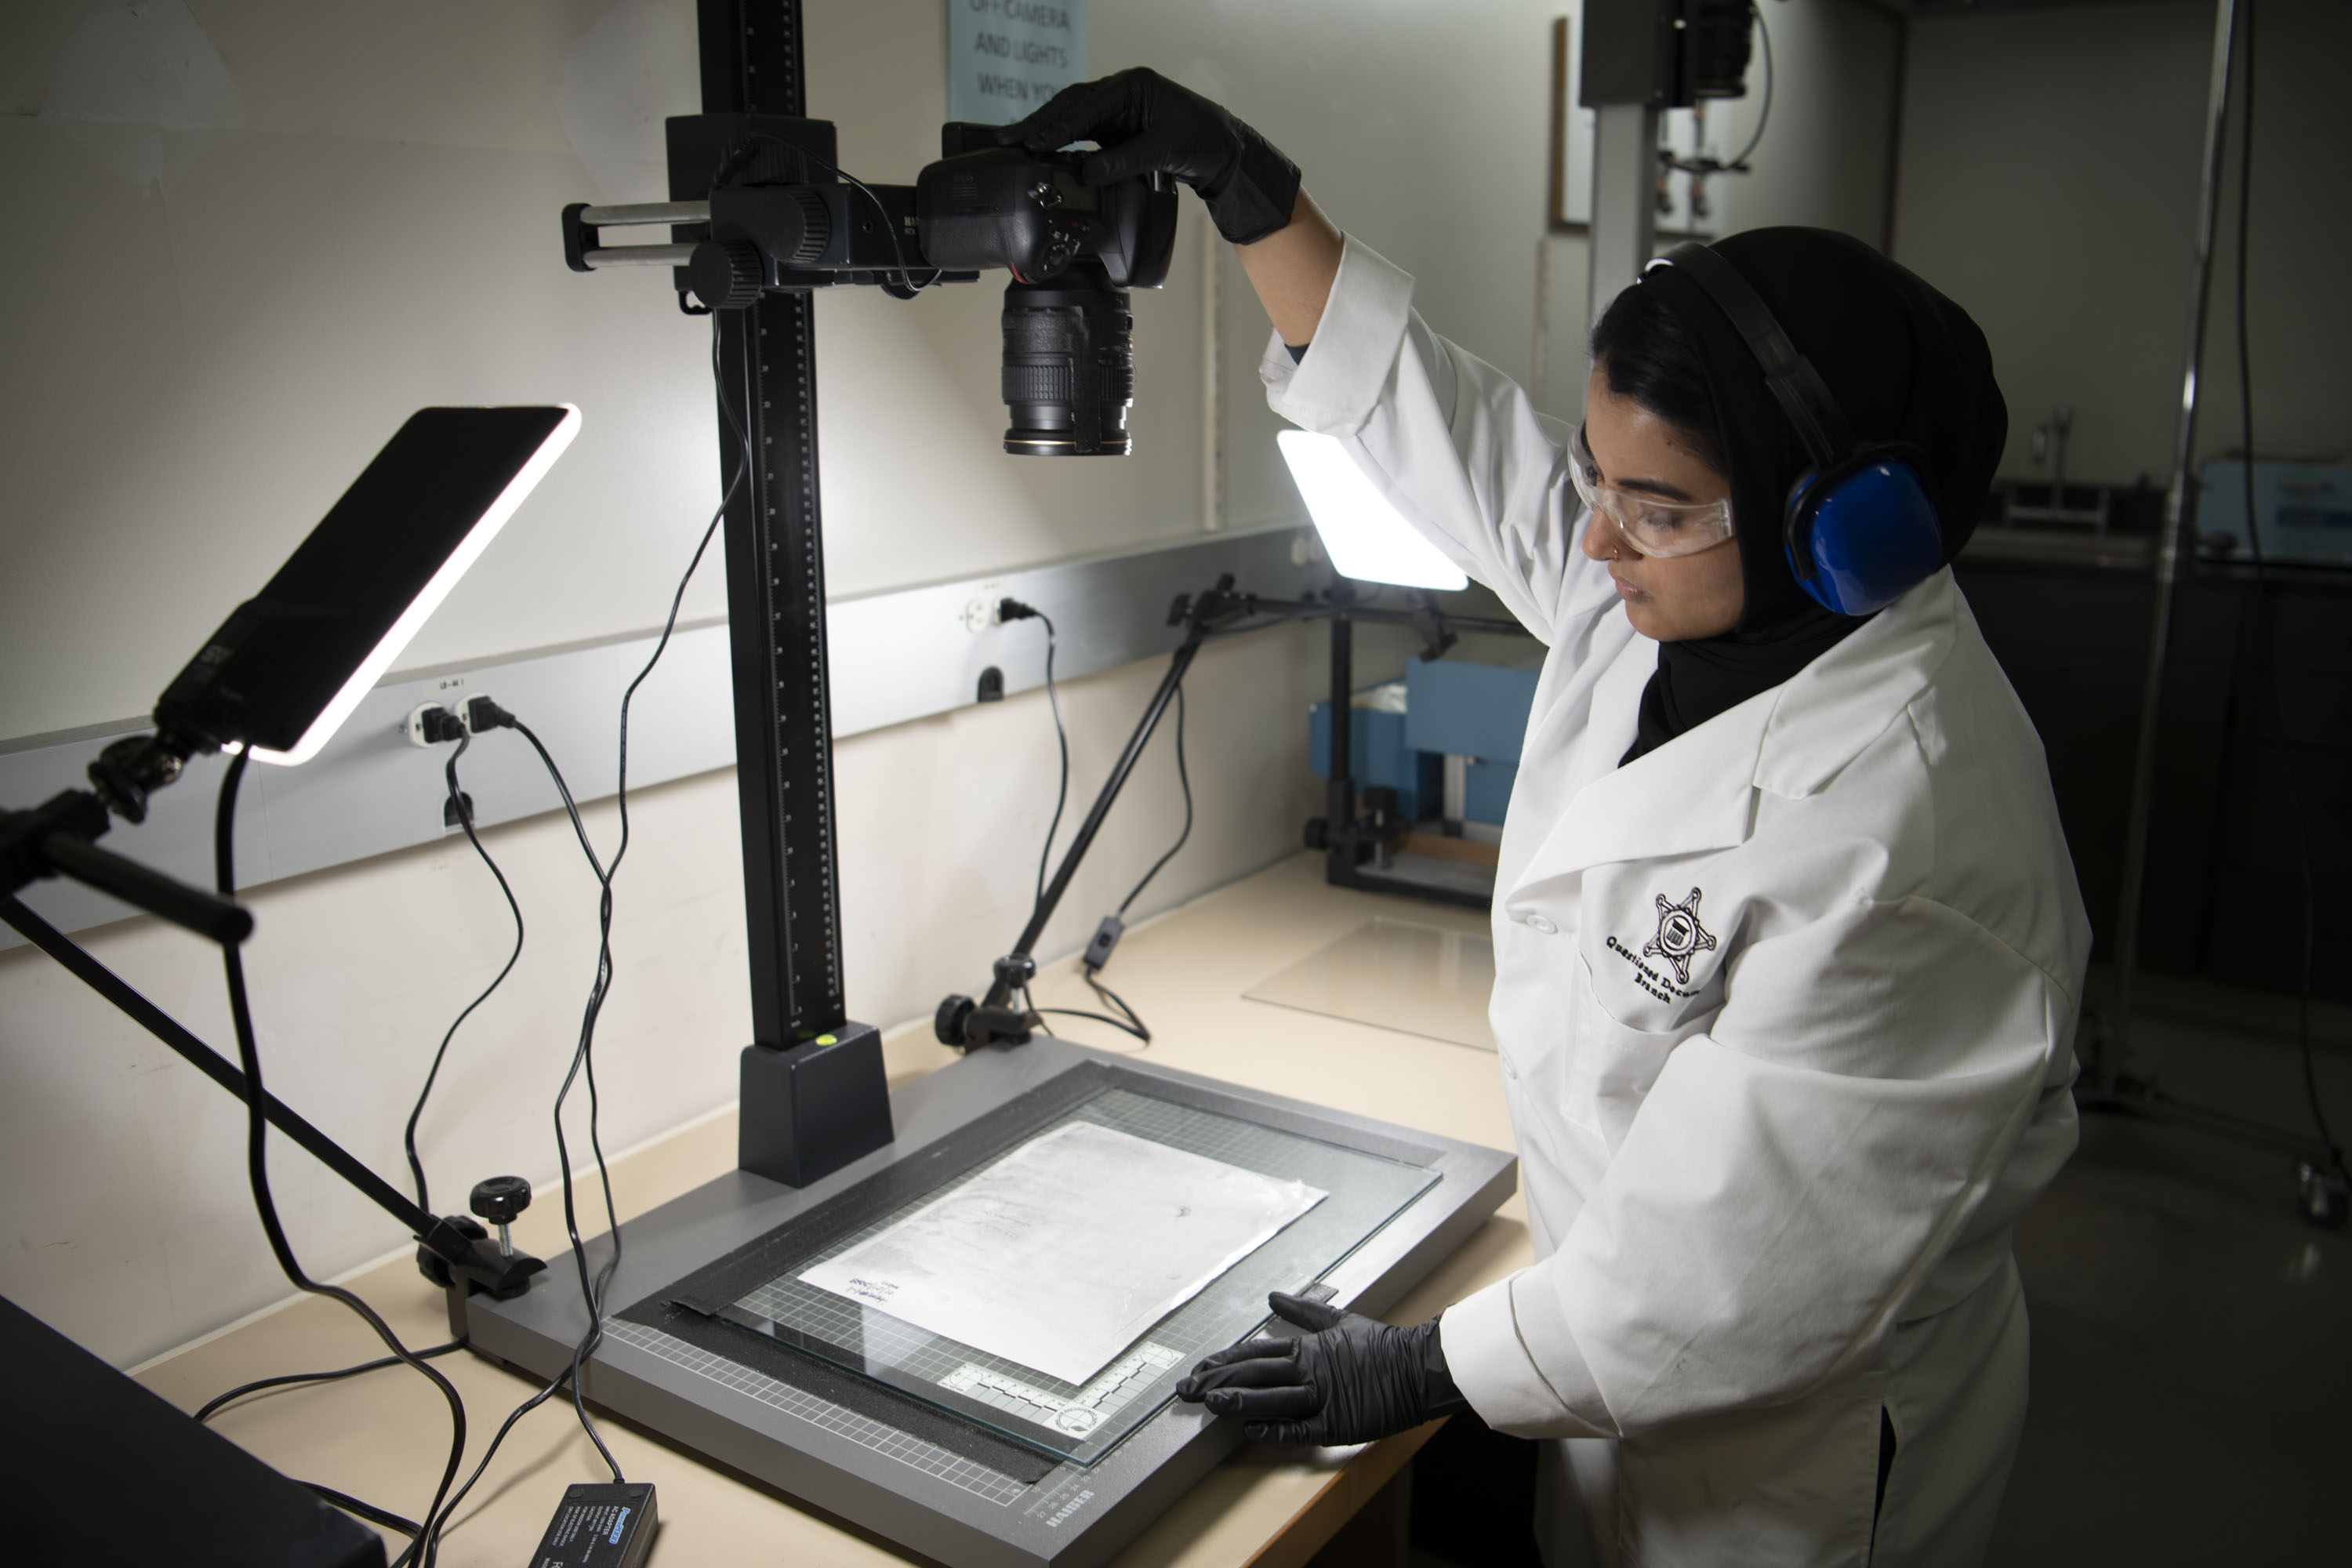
<point x="501" y="1200"/>
<point x="725" y="275"/>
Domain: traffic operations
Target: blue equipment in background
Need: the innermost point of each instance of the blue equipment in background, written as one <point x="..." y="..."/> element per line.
<point x="1400" y="732"/>
<point x="2304" y="509"/>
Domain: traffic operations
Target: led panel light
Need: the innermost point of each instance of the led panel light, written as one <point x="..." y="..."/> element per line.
<point x="1364" y="535"/>
<point x="290" y="664"/>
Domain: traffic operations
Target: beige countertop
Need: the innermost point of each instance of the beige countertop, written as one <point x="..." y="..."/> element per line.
<point x="384" y="1436"/>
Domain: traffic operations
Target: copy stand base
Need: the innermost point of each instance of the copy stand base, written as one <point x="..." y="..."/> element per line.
<point x="809" y="1109"/>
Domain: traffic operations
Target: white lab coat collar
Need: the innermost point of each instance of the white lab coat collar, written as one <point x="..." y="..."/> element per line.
<point x="1697" y="792"/>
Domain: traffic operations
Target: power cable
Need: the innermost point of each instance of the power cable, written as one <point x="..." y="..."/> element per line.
<point x="1011" y="609"/>
<point x="248" y="1052"/>
<point x="1185" y="782"/>
<point x="1061" y="741"/>
<point x="1132" y="1023"/>
<point x="889" y="225"/>
<point x="366" y="1511"/>
<point x="220" y="1402"/>
<point x="582" y="1063"/>
<point x="462" y="809"/>
<point x="1703" y="166"/>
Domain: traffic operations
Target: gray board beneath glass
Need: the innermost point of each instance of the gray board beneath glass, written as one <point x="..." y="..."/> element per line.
<point x="903" y="1466"/>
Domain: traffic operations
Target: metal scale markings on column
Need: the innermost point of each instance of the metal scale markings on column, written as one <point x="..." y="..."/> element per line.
<point x="776" y="583"/>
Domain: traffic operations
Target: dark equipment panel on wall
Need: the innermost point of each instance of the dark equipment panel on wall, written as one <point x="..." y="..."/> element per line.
<point x="2255" y="748"/>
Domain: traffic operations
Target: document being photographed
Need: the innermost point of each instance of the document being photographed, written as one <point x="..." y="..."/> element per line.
<point x="1060" y="1255"/>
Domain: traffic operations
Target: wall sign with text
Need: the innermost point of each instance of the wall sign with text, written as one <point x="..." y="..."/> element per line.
<point x="1006" y="57"/>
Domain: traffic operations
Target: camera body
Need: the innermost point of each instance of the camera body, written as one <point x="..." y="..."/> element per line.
<point x="1033" y="216"/>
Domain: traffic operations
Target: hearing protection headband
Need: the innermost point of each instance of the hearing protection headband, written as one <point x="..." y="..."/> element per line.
<point x="1859" y="527"/>
<point x="1820" y="423"/>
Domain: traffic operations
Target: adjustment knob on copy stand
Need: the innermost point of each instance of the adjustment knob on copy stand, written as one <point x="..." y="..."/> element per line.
<point x="501" y="1200"/>
<point x="726" y="275"/>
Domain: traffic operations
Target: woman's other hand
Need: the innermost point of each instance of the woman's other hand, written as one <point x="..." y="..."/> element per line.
<point x="1349" y="1378"/>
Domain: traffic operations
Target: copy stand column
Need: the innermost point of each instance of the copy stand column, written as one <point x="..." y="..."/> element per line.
<point x="814" y="1093"/>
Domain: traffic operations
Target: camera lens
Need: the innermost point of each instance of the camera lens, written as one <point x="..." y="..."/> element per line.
<point x="1069" y="367"/>
<point x="1718" y="39"/>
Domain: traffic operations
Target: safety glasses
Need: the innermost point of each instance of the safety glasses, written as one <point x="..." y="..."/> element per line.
<point x="1651" y="527"/>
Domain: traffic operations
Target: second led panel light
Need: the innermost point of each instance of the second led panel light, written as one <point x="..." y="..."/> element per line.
<point x="1365" y="536"/>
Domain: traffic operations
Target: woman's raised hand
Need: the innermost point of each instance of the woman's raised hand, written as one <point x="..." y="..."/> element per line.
<point x="1147" y="124"/>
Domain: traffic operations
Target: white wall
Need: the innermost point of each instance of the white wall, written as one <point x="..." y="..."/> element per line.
<point x="2050" y="163"/>
<point x="1828" y="151"/>
<point x="2048" y="184"/>
<point x="1419" y="128"/>
<point x="2299" y="313"/>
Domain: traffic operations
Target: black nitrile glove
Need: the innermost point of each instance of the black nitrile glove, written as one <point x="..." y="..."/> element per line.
<point x="1147" y="124"/>
<point x="1348" y="1380"/>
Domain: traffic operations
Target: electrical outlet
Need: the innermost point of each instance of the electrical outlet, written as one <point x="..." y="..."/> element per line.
<point x="981" y="613"/>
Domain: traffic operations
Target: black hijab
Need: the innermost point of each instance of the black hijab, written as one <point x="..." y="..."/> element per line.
<point x="1906" y="364"/>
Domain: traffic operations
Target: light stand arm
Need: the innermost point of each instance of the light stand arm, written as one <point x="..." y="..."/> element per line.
<point x="994" y="1019"/>
<point x="54" y="839"/>
<point x="467" y="1260"/>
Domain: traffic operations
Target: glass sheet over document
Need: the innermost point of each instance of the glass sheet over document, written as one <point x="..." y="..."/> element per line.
<point x="1061" y="1254"/>
<point x="1083" y="1420"/>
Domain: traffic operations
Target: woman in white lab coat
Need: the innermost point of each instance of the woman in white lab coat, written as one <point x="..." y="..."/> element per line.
<point x="1788" y="945"/>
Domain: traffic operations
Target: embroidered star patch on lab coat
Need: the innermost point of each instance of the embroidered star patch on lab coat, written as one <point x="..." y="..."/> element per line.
<point x="1680" y="936"/>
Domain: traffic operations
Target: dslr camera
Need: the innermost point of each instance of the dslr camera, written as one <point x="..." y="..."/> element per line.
<point x="775" y="215"/>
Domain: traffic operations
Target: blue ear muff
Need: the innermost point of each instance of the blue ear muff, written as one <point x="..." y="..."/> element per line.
<point x="1864" y="533"/>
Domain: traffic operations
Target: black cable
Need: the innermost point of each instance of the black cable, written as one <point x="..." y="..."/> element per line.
<point x="248" y="1052"/>
<point x="2266" y="690"/>
<point x="592" y="1293"/>
<point x="287" y="1379"/>
<point x="366" y="1511"/>
<point x="1738" y="165"/>
<point x="1111" y="998"/>
<point x="889" y="225"/>
<point x="1097" y="1017"/>
<point x="482" y="713"/>
<point x="1764" y="111"/>
<point x="1185" y="781"/>
<point x="905" y="276"/>
<point x="465" y="815"/>
<point x="1013" y="610"/>
<point x="583" y="1056"/>
<point x="1062" y="740"/>
<point x="517" y="1413"/>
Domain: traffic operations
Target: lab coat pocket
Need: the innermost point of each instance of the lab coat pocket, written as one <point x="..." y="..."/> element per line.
<point x="1610" y="1065"/>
